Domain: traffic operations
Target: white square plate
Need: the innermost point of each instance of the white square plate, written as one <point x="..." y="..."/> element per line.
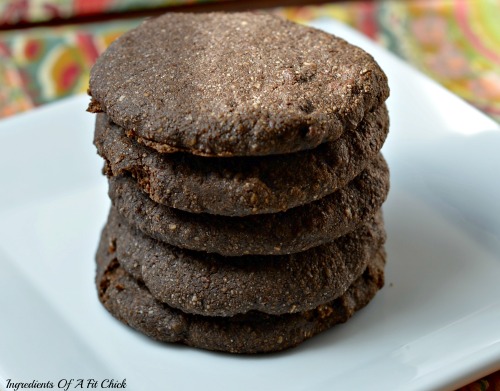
<point x="436" y="324"/>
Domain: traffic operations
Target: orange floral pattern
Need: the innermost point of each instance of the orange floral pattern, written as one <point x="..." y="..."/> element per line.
<point x="41" y="65"/>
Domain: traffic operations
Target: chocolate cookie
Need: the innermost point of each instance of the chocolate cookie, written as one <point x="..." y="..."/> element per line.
<point x="234" y="84"/>
<point x="295" y="230"/>
<point x="212" y="285"/>
<point x="130" y="302"/>
<point x="242" y="186"/>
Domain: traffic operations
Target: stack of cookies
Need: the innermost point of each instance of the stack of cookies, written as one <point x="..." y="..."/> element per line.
<point x="242" y="153"/>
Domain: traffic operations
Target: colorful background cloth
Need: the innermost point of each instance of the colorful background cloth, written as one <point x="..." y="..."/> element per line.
<point x="456" y="42"/>
<point x="40" y="65"/>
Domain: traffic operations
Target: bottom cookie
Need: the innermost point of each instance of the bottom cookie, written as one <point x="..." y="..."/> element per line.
<point x="130" y="302"/>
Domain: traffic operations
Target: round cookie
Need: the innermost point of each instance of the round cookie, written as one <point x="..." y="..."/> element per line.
<point x="212" y="285"/>
<point x="295" y="230"/>
<point x="242" y="186"/>
<point x="234" y="84"/>
<point x="130" y="302"/>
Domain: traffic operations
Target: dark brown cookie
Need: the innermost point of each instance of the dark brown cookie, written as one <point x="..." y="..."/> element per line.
<point x="130" y="302"/>
<point x="222" y="84"/>
<point x="242" y="186"/>
<point x="212" y="285"/>
<point x="295" y="230"/>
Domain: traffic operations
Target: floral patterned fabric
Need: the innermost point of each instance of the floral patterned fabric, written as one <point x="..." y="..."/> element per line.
<point x="41" y="65"/>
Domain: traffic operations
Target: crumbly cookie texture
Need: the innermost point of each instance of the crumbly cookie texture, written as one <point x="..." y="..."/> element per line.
<point x="295" y="230"/>
<point x="242" y="186"/>
<point x="131" y="302"/>
<point x="212" y="285"/>
<point x="237" y="84"/>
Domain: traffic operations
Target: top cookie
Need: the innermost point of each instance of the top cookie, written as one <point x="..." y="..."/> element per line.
<point x="240" y="84"/>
